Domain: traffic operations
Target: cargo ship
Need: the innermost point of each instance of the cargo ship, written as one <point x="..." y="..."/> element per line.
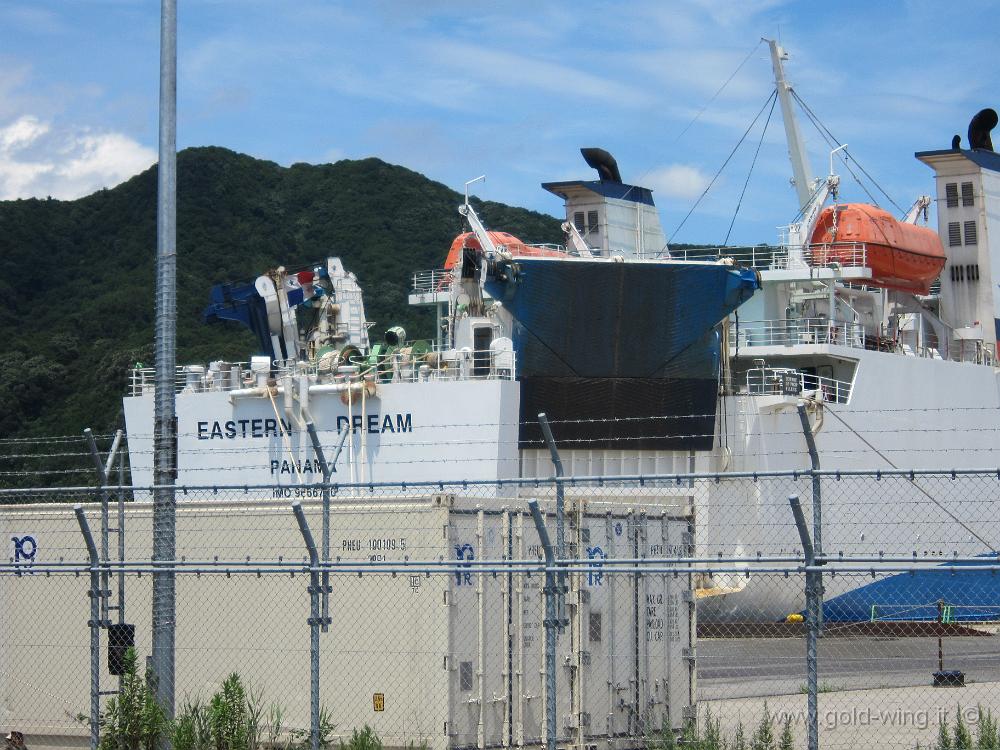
<point x="616" y="346"/>
<point x="647" y="361"/>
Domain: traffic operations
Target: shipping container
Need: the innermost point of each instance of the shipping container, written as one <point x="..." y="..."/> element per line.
<point x="451" y="656"/>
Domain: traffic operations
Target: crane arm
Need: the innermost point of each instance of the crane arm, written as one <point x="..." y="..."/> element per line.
<point x="576" y="240"/>
<point x="919" y="207"/>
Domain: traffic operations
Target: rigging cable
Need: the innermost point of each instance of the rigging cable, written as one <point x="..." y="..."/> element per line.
<point x="922" y="491"/>
<point x="753" y="163"/>
<point x="746" y="132"/>
<point x="704" y="107"/>
<point x="834" y="144"/>
<point x="716" y="94"/>
<point x="847" y="154"/>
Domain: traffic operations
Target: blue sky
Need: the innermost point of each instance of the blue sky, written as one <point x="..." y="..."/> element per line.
<point x="512" y="90"/>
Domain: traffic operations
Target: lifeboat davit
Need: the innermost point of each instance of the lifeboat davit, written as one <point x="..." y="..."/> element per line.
<point x="901" y="256"/>
<point x="510" y="243"/>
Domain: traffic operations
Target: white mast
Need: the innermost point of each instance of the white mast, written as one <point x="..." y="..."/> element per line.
<point x="803" y="179"/>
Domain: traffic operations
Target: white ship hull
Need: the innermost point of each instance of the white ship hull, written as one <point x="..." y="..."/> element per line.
<point x="904" y="413"/>
<point x="467" y="431"/>
<point x="408" y="432"/>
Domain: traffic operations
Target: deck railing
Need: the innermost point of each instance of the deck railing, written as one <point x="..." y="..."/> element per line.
<point x="779" y="381"/>
<point x="783" y="332"/>
<point x="431" y="282"/>
<point x="397" y="367"/>
<point x="783" y="257"/>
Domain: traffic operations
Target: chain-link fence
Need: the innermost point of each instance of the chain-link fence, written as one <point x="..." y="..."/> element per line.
<point x="446" y="615"/>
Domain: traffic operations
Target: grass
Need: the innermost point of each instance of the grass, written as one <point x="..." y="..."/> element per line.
<point x="823" y="687"/>
<point x="708" y="735"/>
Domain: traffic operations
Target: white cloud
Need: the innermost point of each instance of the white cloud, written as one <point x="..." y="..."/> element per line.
<point x="677" y="181"/>
<point x="37" y="160"/>
<point x="22" y="133"/>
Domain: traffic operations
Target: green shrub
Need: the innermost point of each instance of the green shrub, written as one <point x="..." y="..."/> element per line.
<point x="133" y="719"/>
<point x="787" y="742"/>
<point x="763" y="737"/>
<point x="986" y="731"/>
<point x="193" y="728"/>
<point x="366" y="739"/>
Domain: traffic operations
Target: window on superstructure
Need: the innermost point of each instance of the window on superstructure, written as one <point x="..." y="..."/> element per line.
<point x="970" y="233"/>
<point x="592" y="222"/>
<point x="951" y="193"/>
<point x="578" y="222"/>
<point x="967" y="194"/>
<point x="954" y="234"/>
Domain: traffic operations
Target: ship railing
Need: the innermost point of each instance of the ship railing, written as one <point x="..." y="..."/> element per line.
<point x="974" y="351"/>
<point x="781" y="381"/>
<point x="782" y="257"/>
<point x="785" y="332"/>
<point x="431" y="281"/>
<point x="395" y="367"/>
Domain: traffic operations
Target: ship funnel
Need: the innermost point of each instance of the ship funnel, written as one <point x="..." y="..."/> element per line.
<point x="980" y="127"/>
<point x="609" y="216"/>
<point x="603" y="162"/>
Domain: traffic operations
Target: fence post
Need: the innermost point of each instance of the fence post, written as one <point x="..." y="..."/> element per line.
<point x="95" y="627"/>
<point x="551" y="623"/>
<point x="314" y="623"/>
<point x="817" y="501"/>
<point x="813" y="582"/>
<point x="560" y="513"/>
<point x="102" y="481"/>
<point x="328" y="470"/>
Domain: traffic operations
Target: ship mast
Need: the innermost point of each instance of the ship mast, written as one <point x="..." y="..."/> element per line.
<point x="801" y="172"/>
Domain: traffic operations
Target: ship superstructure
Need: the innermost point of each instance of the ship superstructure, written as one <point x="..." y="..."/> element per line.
<point x="609" y="343"/>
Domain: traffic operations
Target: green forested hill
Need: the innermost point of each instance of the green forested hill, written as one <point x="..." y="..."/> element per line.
<point x="77" y="277"/>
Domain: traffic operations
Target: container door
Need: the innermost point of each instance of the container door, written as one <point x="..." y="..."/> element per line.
<point x="479" y="617"/>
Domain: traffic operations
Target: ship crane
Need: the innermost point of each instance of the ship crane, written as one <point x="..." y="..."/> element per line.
<point x="918" y="208"/>
<point x="800" y="232"/>
<point x="576" y="239"/>
<point x="900" y="254"/>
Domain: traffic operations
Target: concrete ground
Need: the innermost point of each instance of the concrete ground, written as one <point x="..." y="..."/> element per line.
<point x="874" y="692"/>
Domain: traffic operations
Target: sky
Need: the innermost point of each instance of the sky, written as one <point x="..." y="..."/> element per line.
<point x="508" y="89"/>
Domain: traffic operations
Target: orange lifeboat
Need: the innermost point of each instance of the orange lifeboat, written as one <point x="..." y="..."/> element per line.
<point x="510" y="243"/>
<point x="901" y="256"/>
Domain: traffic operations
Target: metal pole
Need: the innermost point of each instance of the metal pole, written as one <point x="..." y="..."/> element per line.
<point x="325" y="534"/>
<point x="940" y="608"/>
<point x="102" y="481"/>
<point x="796" y="151"/>
<point x="550" y="624"/>
<point x="165" y="426"/>
<point x="121" y="536"/>
<point x="314" y="623"/>
<point x="817" y="499"/>
<point x="817" y="530"/>
<point x="813" y="580"/>
<point x="121" y="550"/>
<point x="560" y="511"/>
<point x="95" y="628"/>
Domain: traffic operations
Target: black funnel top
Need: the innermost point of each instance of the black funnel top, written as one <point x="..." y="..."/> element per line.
<point x="603" y="162"/>
<point x="979" y="129"/>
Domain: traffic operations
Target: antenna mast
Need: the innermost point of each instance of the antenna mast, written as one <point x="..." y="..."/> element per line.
<point x="796" y="151"/>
